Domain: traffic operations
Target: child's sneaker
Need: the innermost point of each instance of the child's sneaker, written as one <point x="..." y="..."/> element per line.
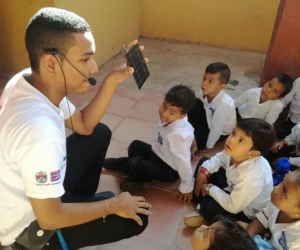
<point x="194" y="219"/>
<point x="135" y="185"/>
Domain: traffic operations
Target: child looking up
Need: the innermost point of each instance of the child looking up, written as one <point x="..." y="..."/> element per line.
<point x="213" y="116"/>
<point x="282" y="214"/>
<point x="264" y="103"/>
<point x="236" y="182"/>
<point x="168" y="159"/>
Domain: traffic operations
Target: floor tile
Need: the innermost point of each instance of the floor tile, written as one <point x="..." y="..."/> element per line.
<point x="112" y="121"/>
<point x="134" y="93"/>
<point x="154" y="97"/>
<point x="121" y="106"/>
<point x="146" y="111"/>
<point x="131" y="129"/>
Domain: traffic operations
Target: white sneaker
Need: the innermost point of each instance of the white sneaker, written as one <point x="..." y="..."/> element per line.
<point x="194" y="219"/>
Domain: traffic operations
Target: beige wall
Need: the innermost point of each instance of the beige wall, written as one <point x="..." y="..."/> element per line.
<point x="238" y="24"/>
<point x="14" y="17"/>
<point x="113" y="22"/>
<point x="235" y="24"/>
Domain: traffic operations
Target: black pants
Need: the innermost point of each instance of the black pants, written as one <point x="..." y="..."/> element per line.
<point x="85" y="156"/>
<point x="209" y="208"/>
<point x="283" y="152"/>
<point x="285" y="129"/>
<point x="197" y="118"/>
<point x="143" y="164"/>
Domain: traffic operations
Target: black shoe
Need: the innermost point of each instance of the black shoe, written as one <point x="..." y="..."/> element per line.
<point x="111" y="163"/>
<point x="135" y="185"/>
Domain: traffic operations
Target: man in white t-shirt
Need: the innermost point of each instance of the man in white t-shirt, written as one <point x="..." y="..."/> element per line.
<point x="44" y="176"/>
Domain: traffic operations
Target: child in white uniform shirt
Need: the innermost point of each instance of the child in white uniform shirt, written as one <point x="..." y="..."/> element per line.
<point x="168" y="159"/>
<point x="289" y="147"/>
<point x="213" y="116"/>
<point x="294" y="114"/>
<point x="236" y="182"/>
<point x="264" y="103"/>
<point x="282" y="214"/>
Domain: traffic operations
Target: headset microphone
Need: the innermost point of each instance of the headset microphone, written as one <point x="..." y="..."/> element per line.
<point x="54" y="51"/>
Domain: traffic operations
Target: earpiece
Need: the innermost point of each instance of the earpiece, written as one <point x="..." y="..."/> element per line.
<point x="53" y="51"/>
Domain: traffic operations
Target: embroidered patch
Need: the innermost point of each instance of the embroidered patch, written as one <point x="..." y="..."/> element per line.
<point x="282" y="241"/>
<point x="41" y="177"/>
<point x="160" y="139"/>
<point x="65" y="157"/>
<point x="55" y="175"/>
<point x="212" y="110"/>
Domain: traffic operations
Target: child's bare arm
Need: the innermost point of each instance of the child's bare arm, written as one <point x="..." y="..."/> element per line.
<point x="255" y="227"/>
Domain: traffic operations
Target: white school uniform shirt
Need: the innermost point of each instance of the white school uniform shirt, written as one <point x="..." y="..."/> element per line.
<point x="250" y="184"/>
<point x="220" y="115"/>
<point x="173" y="145"/>
<point x="285" y="236"/>
<point x="294" y="98"/>
<point x="33" y="154"/>
<point x="293" y="139"/>
<point x="249" y="107"/>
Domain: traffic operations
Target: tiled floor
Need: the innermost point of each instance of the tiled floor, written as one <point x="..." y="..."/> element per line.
<point x="133" y="114"/>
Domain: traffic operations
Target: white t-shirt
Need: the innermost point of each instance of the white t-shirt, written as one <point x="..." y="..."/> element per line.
<point x="249" y="106"/>
<point x="250" y="184"/>
<point x="173" y="145"/>
<point x="32" y="154"/>
<point x="220" y="115"/>
<point x="285" y="236"/>
<point x="294" y="139"/>
<point x="294" y="98"/>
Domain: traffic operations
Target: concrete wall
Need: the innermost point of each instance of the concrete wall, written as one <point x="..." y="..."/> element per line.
<point x="237" y="24"/>
<point x="14" y="17"/>
<point x="230" y="23"/>
<point x="113" y="22"/>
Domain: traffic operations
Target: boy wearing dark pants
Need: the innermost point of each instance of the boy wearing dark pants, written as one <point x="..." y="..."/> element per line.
<point x="236" y="182"/>
<point x="168" y="159"/>
<point x="213" y="116"/>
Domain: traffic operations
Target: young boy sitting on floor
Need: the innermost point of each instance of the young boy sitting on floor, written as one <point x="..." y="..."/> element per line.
<point x="213" y="116"/>
<point x="223" y="234"/>
<point x="264" y="103"/>
<point x="294" y="113"/>
<point x="282" y="214"/>
<point x="288" y="147"/>
<point x="168" y="159"/>
<point x="236" y="182"/>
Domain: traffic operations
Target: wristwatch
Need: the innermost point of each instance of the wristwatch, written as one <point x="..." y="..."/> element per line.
<point x="208" y="186"/>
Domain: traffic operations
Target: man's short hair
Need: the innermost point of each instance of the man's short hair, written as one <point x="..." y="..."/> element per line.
<point x="182" y="97"/>
<point x="52" y="28"/>
<point x="219" y="67"/>
<point x="261" y="132"/>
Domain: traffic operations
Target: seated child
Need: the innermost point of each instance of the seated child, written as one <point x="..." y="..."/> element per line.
<point x="294" y="114"/>
<point x="289" y="147"/>
<point x="213" y="116"/>
<point x="168" y="159"/>
<point x="223" y="234"/>
<point x="236" y="182"/>
<point x="282" y="214"/>
<point x="264" y="103"/>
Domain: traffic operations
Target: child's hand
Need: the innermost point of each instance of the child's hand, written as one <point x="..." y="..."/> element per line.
<point x="277" y="146"/>
<point x="203" y="190"/>
<point x="186" y="197"/>
<point x="200" y="180"/>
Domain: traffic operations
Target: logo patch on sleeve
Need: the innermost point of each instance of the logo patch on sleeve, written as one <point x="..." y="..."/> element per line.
<point x="41" y="177"/>
<point x="55" y="175"/>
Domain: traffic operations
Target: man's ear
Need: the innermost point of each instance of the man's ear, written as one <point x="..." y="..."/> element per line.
<point x="253" y="154"/>
<point x="48" y="63"/>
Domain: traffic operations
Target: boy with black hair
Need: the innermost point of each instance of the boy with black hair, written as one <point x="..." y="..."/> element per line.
<point x="213" y="116"/>
<point x="236" y="182"/>
<point x="282" y="214"/>
<point x="44" y="176"/>
<point x="264" y="103"/>
<point x="168" y="159"/>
